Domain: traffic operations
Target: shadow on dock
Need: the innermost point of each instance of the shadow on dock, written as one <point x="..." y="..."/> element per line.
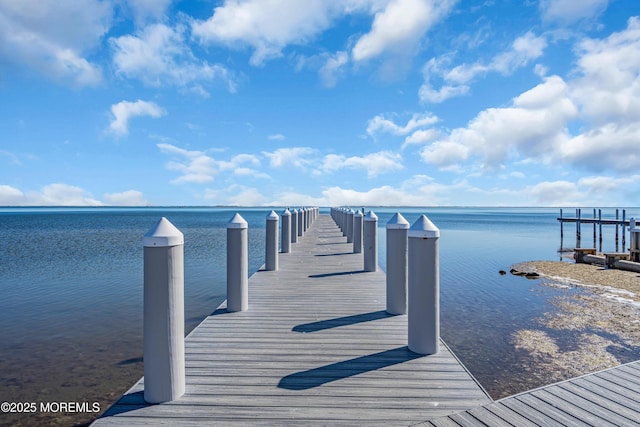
<point x="341" y="321"/>
<point x="316" y="377"/>
<point x="340" y="273"/>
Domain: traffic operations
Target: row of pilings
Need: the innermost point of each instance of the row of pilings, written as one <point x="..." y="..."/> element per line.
<point x="412" y="281"/>
<point x="412" y="276"/>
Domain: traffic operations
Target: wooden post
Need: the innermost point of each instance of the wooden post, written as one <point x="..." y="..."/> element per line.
<point x="600" y="229"/>
<point x="163" y="325"/>
<point x="397" y="248"/>
<point x="617" y="228"/>
<point x="594" y="227"/>
<point x="423" y="287"/>
<point x="624" y="233"/>
<point x="271" y="244"/>
<point x="237" y="264"/>
<point x="370" y="242"/>
<point x="578" y="213"/>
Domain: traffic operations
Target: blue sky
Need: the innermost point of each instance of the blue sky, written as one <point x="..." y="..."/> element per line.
<point x="320" y="102"/>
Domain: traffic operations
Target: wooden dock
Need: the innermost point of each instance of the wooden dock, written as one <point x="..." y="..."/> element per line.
<point x="315" y="347"/>
<point x="606" y="398"/>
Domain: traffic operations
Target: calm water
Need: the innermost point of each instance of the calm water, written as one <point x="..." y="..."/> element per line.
<point x="71" y="281"/>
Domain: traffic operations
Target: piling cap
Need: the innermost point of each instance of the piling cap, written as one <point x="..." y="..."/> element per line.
<point x="358" y="214"/>
<point x="350" y="211"/>
<point x="237" y="222"/>
<point x="424" y="228"/>
<point x="371" y="216"/>
<point x="273" y="216"/>
<point x="286" y="212"/>
<point x="397" y="221"/>
<point x="162" y="235"/>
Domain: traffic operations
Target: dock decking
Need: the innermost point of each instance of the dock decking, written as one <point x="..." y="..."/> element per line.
<point x="315" y="347"/>
<point x="606" y="398"/>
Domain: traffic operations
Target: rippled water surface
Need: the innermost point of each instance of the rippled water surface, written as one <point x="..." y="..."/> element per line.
<point x="71" y="283"/>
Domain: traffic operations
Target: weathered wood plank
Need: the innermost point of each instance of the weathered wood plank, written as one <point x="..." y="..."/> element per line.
<point x="315" y="347"/>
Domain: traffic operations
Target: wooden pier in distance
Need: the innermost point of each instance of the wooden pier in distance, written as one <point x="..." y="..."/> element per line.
<point x="315" y="347"/>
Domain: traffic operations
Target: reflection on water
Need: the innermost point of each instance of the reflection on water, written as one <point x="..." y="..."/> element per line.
<point x="71" y="306"/>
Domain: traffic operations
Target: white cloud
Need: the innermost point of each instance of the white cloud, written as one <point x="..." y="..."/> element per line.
<point x="59" y="195"/>
<point x="569" y="11"/>
<point x="159" y="55"/>
<point x="523" y="50"/>
<point x="534" y="126"/>
<point x="421" y="136"/>
<point x="333" y="68"/>
<point x="126" y="198"/>
<point x="52" y="37"/>
<point x="586" y="191"/>
<point x="123" y="111"/>
<point x="195" y="166"/>
<point x="267" y="26"/>
<point x="295" y="156"/>
<point x="147" y="10"/>
<point x="276" y="137"/>
<point x="10" y="196"/>
<point x="381" y="123"/>
<point x="198" y="167"/>
<point x="374" y="163"/>
<point x="608" y="86"/>
<point x="399" y="27"/>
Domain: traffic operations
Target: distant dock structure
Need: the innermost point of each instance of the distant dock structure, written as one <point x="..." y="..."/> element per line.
<point x="620" y="223"/>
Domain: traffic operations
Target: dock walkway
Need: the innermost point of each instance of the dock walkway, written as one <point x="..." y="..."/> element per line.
<point x="607" y="398"/>
<point x="315" y="347"/>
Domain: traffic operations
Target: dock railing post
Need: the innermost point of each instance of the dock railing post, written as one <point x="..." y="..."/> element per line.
<point x="285" y="238"/>
<point x="370" y="241"/>
<point x="163" y="324"/>
<point x="397" y="228"/>
<point x="424" y="287"/>
<point x="271" y="244"/>
<point x="350" y="226"/>
<point x="237" y="264"/>
<point x="357" y="232"/>
<point x="294" y="226"/>
<point x="300" y="221"/>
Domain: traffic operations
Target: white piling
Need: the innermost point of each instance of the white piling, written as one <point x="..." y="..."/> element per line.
<point x="370" y="241"/>
<point x="300" y="222"/>
<point x="350" y="225"/>
<point x="423" y="287"/>
<point x="294" y="226"/>
<point x="237" y="264"/>
<point x="357" y="232"/>
<point x="285" y="241"/>
<point x="271" y="244"/>
<point x="397" y="247"/>
<point x="163" y="325"/>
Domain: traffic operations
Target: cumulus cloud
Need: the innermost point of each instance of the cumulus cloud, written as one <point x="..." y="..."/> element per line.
<point x="456" y="80"/>
<point x="374" y="163"/>
<point x="399" y="27"/>
<point x="198" y="167"/>
<point x="145" y="11"/>
<point x="125" y="110"/>
<point x="10" y="196"/>
<point x="126" y="198"/>
<point x="57" y="194"/>
<point x="267" y="26"/>
<point x="159" y="55"/>
<point x="53" y="37"/>
<point x="533" y="126"/>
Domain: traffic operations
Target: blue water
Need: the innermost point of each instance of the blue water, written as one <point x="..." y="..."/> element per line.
<point x="71" y="281"/>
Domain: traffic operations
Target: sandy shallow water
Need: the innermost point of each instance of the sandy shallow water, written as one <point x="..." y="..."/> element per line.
<point x="591" y="330"/>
